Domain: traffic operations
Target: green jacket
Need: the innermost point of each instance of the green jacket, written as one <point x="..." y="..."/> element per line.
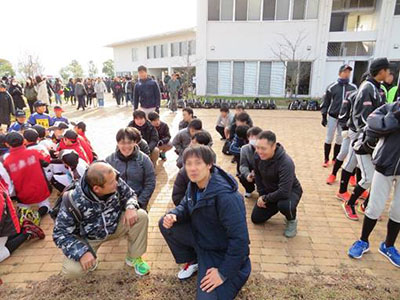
<point x="391" y="93"/>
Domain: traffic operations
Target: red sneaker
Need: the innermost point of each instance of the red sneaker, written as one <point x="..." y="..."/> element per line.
<point x="349" y="212"/>
<point x="331" y="179"/>
<point x="343" y="196"/>
<point x="325" y="164"/>
<point x="353" y="181"/>
<point x="364" y="195"/>
<point x="34" y="231"/>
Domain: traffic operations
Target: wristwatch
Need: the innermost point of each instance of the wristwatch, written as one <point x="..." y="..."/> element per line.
<point x="130" y="206"/>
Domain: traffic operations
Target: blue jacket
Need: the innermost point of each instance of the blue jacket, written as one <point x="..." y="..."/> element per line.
<point x="62" y="119"/>
<point x="147" y="93"/>
<point x="41" y="119"/>
<point x="15" y="126"/>
<point x="218" y="222"/>
<point x="99" y="218"/>
<point x="236" y="145"/>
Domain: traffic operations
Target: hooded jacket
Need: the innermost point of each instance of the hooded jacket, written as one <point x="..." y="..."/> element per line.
<point x="6" y="108"/>
<point x="334" y="96"/>
<point x="383" y="124"/>
<point x="163" y="133"/>
<point x="42" y="93"/>
<point x="147" y="93"/>
<point x="148" y="132"/>
<point x="247" y="164"/>
<point x="17" y="94"/>
<point x="137" y="171"/>
<point x="275" y="177"/>
<point x="345" y="119"/>
<point x="99" y="218"/>
<point x="218" y="222"/>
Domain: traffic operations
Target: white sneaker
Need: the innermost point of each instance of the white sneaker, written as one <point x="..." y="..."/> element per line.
<point x="187" y="271"/>
<point x="247" y="195"/>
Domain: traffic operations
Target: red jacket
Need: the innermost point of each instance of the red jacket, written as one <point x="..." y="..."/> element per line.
<point x="87" y="147"/>
<point x="9" y="226"/>
<point x="78" y="147"/>
<point x="25" y="169"/>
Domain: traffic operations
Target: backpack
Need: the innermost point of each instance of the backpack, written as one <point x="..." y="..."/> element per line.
<point x="69" y="203"/>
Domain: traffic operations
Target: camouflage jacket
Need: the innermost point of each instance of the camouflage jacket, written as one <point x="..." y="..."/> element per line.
<point x="99" y="218"/>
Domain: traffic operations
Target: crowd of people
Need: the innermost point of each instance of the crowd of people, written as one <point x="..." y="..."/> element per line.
<point x="366" y="120"/>
<point x="101" y="200"/>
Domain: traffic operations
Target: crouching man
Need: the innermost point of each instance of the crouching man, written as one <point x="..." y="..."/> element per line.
<point x="207" y="230"/>
<point x="109" y="210"/>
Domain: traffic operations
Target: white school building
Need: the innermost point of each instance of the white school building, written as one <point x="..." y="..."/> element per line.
<point x="251" y="47"/>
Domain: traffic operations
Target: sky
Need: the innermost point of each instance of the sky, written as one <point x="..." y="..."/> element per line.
<point x="59" y="31"/>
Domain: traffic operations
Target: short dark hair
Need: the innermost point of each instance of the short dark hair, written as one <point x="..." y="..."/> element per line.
<point x="139" y="114"/>
<point x="14" y="139"/>
<point x="96" y="177"/>
<point x="202" y="138"/>
<point x="224" y="108"/>
<point x="243" y="117"/>
<point x="241" y="131"/>
<point x="376" y="72"/>
<point x="188" y="110"/>
<point x="196" y="124"/>
<point x="254" y="131"/>
<point x="31" y="135"/>
<point x="239" y="106"/>
<point x="142" y="68"/>
<point x="267" y="135"/>
<point x="129" y="133"/>
<point x="152" y="116"/>
<point x="40" y="130"/>
<point x="199" y="151"/>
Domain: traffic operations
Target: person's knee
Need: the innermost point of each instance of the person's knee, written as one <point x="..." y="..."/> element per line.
<point x="256" y="217"/>
<point x="143" y="217"/>
<point x="72" y="269"/>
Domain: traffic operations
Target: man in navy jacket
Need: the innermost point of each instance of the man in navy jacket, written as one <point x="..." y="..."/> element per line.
<point x="147" y="92"/>
<point x="208" y="229"/>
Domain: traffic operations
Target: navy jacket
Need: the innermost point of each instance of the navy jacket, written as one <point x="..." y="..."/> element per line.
<point x="147" y="93"/>
<point x="218" y="222"/>
<point x="334" y="96"/>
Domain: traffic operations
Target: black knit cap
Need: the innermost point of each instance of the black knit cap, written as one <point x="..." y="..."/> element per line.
<point x="71" y="135"/>
<point x="40" y="130"/>
<point x="379" y="64"/>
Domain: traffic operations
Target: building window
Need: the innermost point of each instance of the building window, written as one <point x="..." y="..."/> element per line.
<point x="312" y="9"/>
<point x="238" y="78"/>
<point x="212" y="77"/>
<point x="298" y="76"/>
<point x="241" y="10"/>
<point x="150" y="52"/>
<point x="351" y="5"/>
<point x="397" y="8"/>
<point x="164" y="50"/>
<point x="213" y="10"/>
<point x="184" y="48"/>
<point x="175" y="49"/>
<point x="250" y="78"/>
<point x="264" y="78"/>
<point x="254" y="10"/>
<point x="192" y="47"/>
<point x="282" y="10"/>
<point x="225" y="78"/>
<point x="157" y="52"/>
<point x="337" y="49"/>
<point x="269" y="10"/>
<point x="299" y="8"/>
<point x="134" y="54"/>
<point x="226" y="10"/>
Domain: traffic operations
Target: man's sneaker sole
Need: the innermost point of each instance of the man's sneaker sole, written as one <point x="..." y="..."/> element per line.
<point x="128" y="263"/>
<point x="391" y="261"/>
<point x="358" y="257"/>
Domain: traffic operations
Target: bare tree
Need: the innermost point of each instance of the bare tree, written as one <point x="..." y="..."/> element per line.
<point x="188" y="71"/>
<point x="291" y="54"/>
<point x="30" y="65"/>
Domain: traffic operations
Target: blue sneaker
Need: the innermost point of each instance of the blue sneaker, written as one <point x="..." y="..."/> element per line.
<point x="358" y="249"/>
<point x="390" y="253"/>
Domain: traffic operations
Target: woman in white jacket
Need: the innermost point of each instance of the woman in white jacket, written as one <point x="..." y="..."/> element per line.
<point x="42" y="93"/>
<point x="100" y="88"/>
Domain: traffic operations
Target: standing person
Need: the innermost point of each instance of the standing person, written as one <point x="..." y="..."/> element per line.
<point x="383" y="123"/>
<point x="117" y="90"/>
<point x="109" y="210"/>
<point x="30" y="93"/>
<point x="58" y="91"/>
<point x="16" y="93"/>
<point x="370" y="96"/>
<point x="71" y="86"/>
<point x="129" y="90"/>
<point x="135" y="167"/>
<point x="147" y="92"/>
<point x="207" y="231"/>
<point x="173" y="87"/>
<point x="148" y="132"/>
<point x="247" y="164"/>
<point x="100" y="88"/>
<point x="277" y="184"/>
<point x="334" y="96"/>
<point x="6" y="108"/>
<point x="188" y="116"/>
<point x="80" y="93"/>
<point x="224" y="121"/>
<point x="90" y="93"/>
<point x="164" y="143"/>
<point x="41" y="87"/>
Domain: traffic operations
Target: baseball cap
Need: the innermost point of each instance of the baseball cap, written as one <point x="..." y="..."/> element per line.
<point x="31" y="135"/>
<point x="14" y="139"/>
<point x="3" y="85"/>
<point x="20" y="113"/>
<point x="57" y="107"/>
<point x="345" y="67"/>
<point x="80" y="125"/>
<point x="39" y="103"/>
<point x="59" y="125"/>
<point x="71" y="135"/>
<point x="379" y="64"/>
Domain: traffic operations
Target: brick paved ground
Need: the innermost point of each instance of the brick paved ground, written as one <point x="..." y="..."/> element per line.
<point x="324" y="234"/>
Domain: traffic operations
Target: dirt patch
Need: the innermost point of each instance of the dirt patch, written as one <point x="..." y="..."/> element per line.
<point x="123" y="285"/>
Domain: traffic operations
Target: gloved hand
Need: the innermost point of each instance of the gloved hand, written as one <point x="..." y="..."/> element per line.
<point x="324" y="121"/>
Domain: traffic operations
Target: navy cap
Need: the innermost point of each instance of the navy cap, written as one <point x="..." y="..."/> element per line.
<point x="39" y="103"/>
<point x="379" y="64"/>
<point x="345" y="67"/>
<point x="20" y="113"/>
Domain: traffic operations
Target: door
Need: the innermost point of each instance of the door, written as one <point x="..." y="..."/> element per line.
<point x="360" y="67"/>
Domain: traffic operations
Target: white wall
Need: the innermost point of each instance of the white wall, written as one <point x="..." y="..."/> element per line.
<point x="394" y="39"/>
